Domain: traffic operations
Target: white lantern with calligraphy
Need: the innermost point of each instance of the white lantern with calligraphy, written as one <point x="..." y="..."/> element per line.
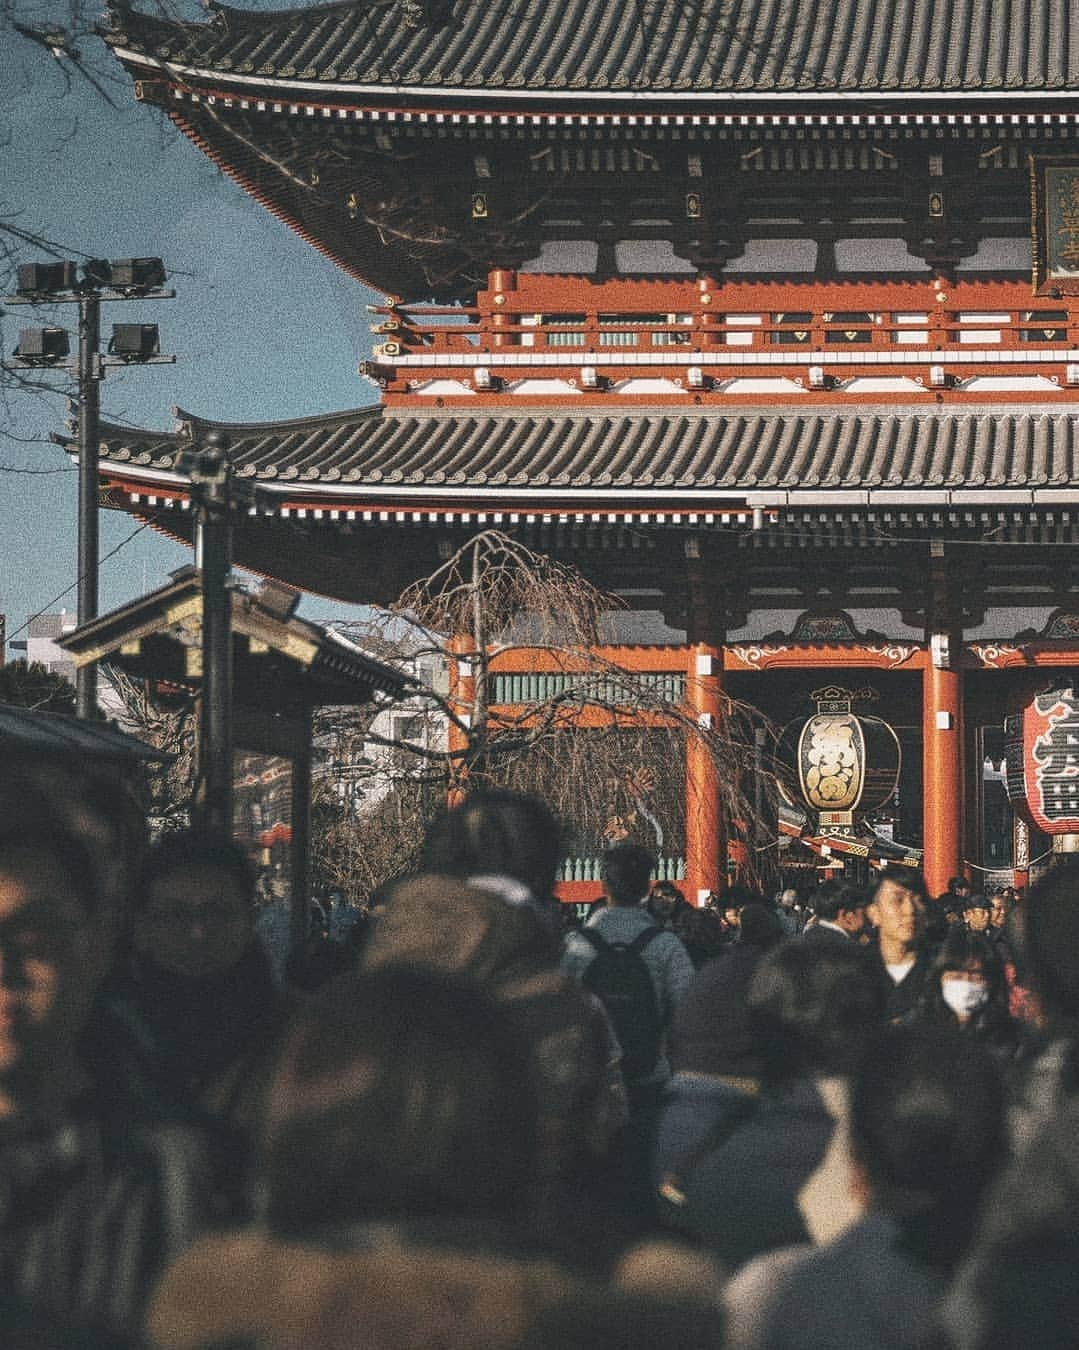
<point x="845" y="764"/>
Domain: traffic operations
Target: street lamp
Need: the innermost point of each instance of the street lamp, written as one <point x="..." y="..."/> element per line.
<point x="59" y="283"/>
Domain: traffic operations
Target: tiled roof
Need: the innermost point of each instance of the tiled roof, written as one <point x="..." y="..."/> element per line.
<point x="25" y="731"/>
<point x="614" y="47"/>
<point x="621" y="449"/>
<point x="324" y="664"/>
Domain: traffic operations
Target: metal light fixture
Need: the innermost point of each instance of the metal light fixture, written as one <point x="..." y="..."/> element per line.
<point x="125" y="274"/>
<point x="483" y="380"/>
<point x="40" y="278"/>
<point x="59" y="282"/>
<point x="138" y="273"/>
<point x="135" y="341"/>
<point x="42" y="345"/>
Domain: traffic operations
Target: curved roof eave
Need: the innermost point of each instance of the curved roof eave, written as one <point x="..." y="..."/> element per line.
<point x="700" y="100"/>
<point x="272" y="204"/>
<point x="668" y="52"/>
<point x="1022" y="455"/>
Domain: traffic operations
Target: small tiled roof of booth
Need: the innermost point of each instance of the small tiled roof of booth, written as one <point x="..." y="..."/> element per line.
<point x="612" y="47"/>
<point x="332" y="668"/>
<point x="32" y="732"/>
<point x="538" y="450"/>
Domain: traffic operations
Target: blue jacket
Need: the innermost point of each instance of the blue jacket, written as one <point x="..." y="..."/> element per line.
<point x="665" y="956"/>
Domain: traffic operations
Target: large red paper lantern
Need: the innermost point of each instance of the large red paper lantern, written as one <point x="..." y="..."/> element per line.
<point x="1042" y="752"/>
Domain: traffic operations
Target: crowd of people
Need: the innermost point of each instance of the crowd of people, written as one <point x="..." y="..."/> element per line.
<point x="845" y="1119"/>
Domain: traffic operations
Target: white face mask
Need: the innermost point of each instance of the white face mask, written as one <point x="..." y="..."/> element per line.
<point x="964" y="996"/>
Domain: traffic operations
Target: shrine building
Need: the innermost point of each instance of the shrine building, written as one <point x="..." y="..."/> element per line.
<point x="762" y="313"/>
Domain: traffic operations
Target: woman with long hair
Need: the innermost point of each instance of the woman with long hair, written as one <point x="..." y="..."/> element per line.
<point x="966" y="988"/>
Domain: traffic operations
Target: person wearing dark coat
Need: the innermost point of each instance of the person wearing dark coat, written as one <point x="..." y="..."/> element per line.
<point x="716" y="1064"/>
<point x="966" y="989"/>
<point x="840" y="916"/>
<point x="811" y="1011"/>
<point x="710" y="1033"/>
<point x="897" y="910"/>
<point x="188" y="1023"/>
<point x="93" y="1201"/>
<point x="928" y="1137"/>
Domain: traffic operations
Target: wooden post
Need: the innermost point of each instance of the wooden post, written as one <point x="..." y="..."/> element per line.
<point x="499" y="283"/>
<point x="706" y="839"/>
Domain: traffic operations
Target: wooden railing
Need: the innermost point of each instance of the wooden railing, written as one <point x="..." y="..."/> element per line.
<point x="537" y="688"/>
<point x="550" y="337"/>
<point x="426" y="333"/>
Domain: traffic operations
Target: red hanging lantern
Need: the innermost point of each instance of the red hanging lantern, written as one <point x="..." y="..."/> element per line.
<point x="1042" y="756"/>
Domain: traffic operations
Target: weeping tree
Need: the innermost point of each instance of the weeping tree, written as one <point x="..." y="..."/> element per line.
<point x="169" y="725"/>
<point x="605" y="745"/>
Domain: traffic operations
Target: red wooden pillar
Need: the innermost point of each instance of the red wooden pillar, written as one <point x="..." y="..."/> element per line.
<point x="942" y="730"/>
<point x="942" y="773"/>
<point x="706" y="836"/>
<point x="462" y="692"/>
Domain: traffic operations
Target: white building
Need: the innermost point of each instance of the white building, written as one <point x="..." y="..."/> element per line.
<point x="39" y="645"/>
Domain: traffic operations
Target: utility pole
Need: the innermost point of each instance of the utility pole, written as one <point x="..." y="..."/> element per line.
<point x="58" y="283"/>
<point x="214" y="498"/>
<point x="90" y="373"/>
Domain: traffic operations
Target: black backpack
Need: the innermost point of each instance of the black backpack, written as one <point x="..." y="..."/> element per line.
<point x="618" y="976"/>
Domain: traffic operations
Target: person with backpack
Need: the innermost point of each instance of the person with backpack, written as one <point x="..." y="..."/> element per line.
<point x="640" y="973"/>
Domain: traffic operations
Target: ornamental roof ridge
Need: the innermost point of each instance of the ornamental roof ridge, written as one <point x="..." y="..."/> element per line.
<point x="290" y="424"/>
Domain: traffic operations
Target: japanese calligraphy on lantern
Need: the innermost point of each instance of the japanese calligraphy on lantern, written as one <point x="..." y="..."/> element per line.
<point x="1055" y="201"/>
<point x="843" y="763"/>
<point x="1042" y="747"/>
<point x="831" y="761"/>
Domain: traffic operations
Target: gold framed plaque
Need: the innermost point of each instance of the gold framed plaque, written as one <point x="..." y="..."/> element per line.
<point x="1054" y="200"/>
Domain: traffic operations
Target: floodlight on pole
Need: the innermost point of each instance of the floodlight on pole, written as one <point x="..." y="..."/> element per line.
<point x="43" y="278"/>
<point x="134" y="341"/>
<point x="42" y="346"/>
<point x="56" y="283"/>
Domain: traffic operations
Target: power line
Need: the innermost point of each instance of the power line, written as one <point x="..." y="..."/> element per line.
<point x="67" y="591"/>
<point x="12" y="468"/>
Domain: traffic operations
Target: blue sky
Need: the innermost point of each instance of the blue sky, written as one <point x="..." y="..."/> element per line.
<point x="262" y="327"/>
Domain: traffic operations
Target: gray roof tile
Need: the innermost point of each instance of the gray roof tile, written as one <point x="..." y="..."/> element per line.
<point x="631" y="449"/>
<point x="705" y="46"/>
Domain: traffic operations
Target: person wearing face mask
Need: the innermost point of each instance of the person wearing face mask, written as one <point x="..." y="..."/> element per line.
<point x="966" y="989"/>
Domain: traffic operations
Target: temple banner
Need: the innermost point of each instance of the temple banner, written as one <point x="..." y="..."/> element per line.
<point x="1042" y="759"/>
<point x="1055" y="208"/>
